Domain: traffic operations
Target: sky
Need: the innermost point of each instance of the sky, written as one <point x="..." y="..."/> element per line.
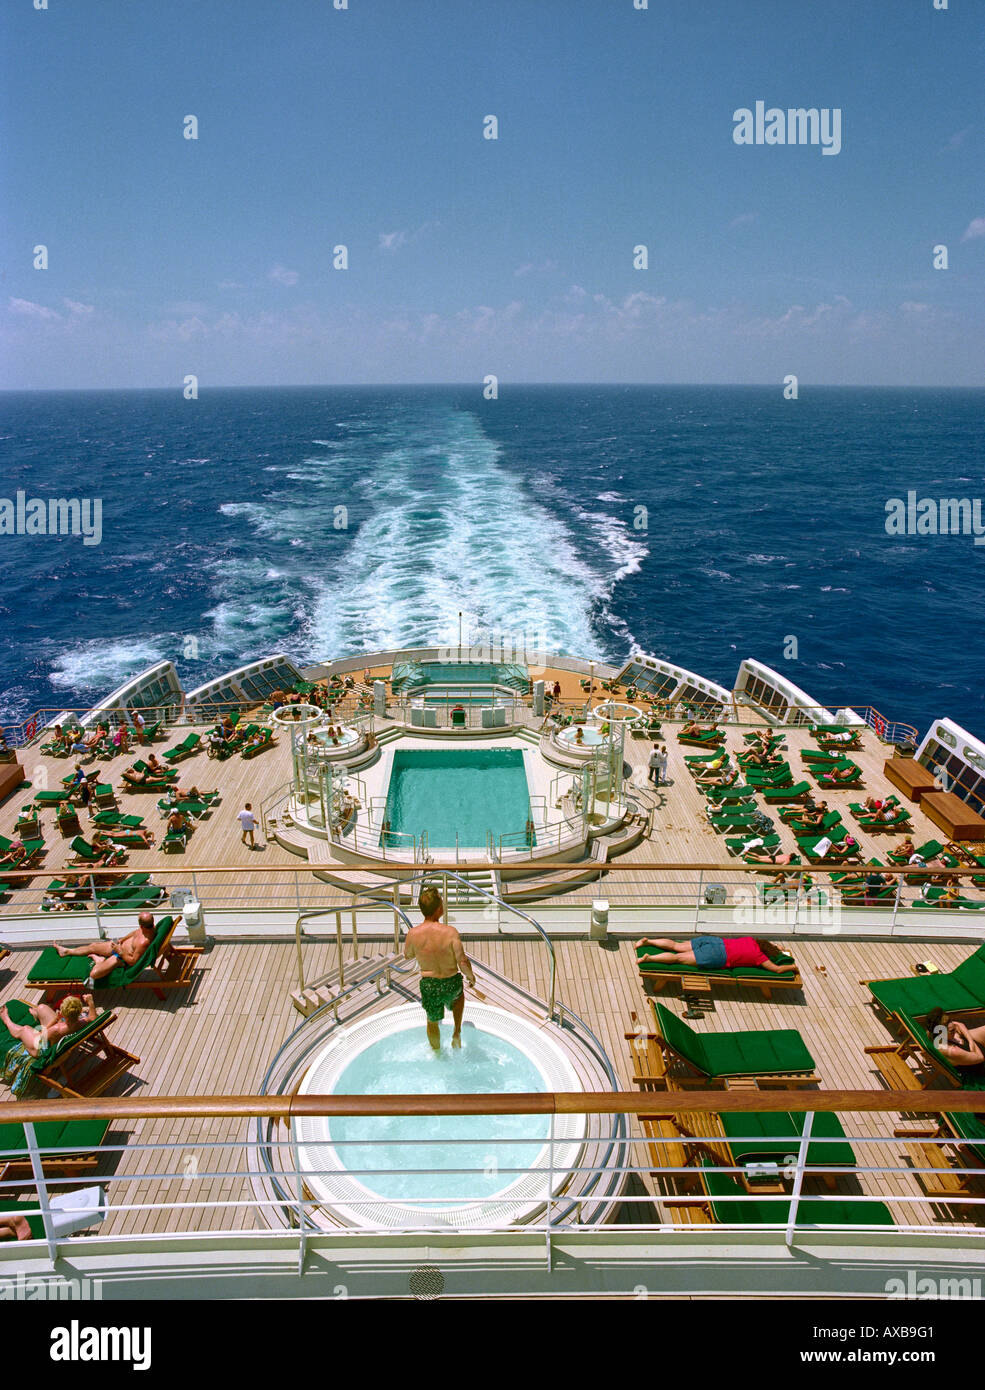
<point x="469" y="257"/>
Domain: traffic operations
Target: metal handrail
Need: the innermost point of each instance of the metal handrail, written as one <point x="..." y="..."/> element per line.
<point x="492" y="897"/>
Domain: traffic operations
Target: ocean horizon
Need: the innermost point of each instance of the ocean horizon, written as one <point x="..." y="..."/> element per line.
<point x="700" y="524"/>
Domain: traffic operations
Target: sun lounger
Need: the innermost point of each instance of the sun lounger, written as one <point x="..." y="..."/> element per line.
<point x="708" y="738"/>
<point x="83" y="1063"/>
<point x="250" y="750"/>
<point x="933" y="896"/>
<point x="19" y="859"/>
<point x="775" y="795"/>
<point x="185" y="749"/>
<point x="723" y="1190"/>
<point x="776" y="1055"/>
<point x="739" y="843"/>
<point x="955" y="991"/>
<point x="654" y="975"/>
<point x="84" y="853"/>
<point x="170" y="967"/>
<point x="77" y="1141"/>
<point x="156" y="783"/>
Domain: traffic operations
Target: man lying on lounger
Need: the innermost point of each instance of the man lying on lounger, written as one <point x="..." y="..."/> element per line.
<point x="107" y="955"/>
<point x="717" y="953"/>
<point x="152" y="772"/>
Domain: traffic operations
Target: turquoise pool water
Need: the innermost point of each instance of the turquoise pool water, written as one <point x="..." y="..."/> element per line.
<point x="471" y="790"/>
<point x="404" y="1063"/>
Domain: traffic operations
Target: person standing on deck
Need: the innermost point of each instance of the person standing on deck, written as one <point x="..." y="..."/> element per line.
<point x="437" y="948"/>
<point x="248" y="822"/>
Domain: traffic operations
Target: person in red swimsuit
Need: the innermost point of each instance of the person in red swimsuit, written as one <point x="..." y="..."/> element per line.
<point x="716" y="952"/>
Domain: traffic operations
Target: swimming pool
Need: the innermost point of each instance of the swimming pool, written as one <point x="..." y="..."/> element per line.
<point x="468" y="790"/>
<point x="366" y="1157"/>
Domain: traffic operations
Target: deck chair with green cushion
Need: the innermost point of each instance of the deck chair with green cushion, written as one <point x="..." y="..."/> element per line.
<point x="773" y="1053"/>
<point x="185" y="749"/>
<point x="739" y="843"/>
<point x="125" y="885"/>
<point x="174" y="842"/>
<point x="811" y="755"/>
<point x="151" y="731"/>
<point x="775" y="795"/>
<point x="84" y="853"/>
<point x="170" y="967"/>
<point x="708" y="738"/>
<point x="914" y="1027"/>
<point x="19" y="859"/>
<point x="655" y="974"/>
<point x="52" y="798"/>
<point x="964" y="1124"/>
<point x="932" y="899"/>
<point x="724" y="1190"/>
<point x="250" y="750"/>
<point x="697" y="759"/>
<point x="824" y="779"/>
<point x="770" y="1137"/>
<point x="156" y="783"/>
<point x="83" y="1063"/>
<point x="117" y="820"/>
<point x="729" y="796"/>
<point x="76" y="1141"/>
<point x="770" y="776"/>
<point x="956" y="991"/>
<point x="794" y="817"/>
<point x="840" y="853"/>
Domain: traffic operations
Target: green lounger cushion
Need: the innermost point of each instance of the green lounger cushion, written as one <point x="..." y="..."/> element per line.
<point x="752" y="1052"/>
<point x="963" y="988"/>
<point x="51" y="968"/>
<point x="76" y="1136"/>
<point x="786" y="793"/>
<point x="773" y="1136"/>
<point x="723" y="1188"/>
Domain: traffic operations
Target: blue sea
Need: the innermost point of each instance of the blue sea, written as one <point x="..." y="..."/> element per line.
<point x="701" y="524"/>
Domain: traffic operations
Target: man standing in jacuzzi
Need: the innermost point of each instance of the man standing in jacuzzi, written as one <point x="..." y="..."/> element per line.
<point x="437" y="948"/>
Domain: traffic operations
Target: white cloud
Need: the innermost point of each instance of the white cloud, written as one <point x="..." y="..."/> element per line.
<point x="29" y="309"/>
<point x="74" y="307"/>
<point x="389" y="241"/>
<point x="533" y="267"/>
<point x="282" y="276"/>
<point x="975" y="228"/>
<point x="744" y="219"/>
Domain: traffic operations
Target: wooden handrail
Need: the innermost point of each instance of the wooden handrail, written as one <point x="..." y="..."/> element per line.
<point x="740" y="1100"/>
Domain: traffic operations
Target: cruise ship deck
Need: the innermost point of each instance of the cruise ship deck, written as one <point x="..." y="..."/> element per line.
<point x="293" y="959"/>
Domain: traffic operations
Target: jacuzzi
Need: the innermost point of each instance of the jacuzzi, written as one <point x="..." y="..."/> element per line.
<point x="389" y="1053"/>
<point x="348" y="738"/>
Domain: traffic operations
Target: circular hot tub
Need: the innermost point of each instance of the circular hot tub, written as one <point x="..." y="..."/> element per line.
<point x="431" y="1170"/>
<point x="343" y="738"/>
<point x="592" y="739"/>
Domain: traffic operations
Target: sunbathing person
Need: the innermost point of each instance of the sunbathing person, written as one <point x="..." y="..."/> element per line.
<point x="107" y="955"/>
<point x="36" y="1043"/>
<point x="962" y="1046"/>
<point x="178" y="823"/>
<point x="762" y="855"/>
<point x="691" y="729"/>
<point x="727" y="779"/>
<point x="717" y="953"/>
<point x="815" y="819"/>
<point x="130" y="833"/>
<point x="14" y="1227"/>
<point x="840" y="774"/>
<point x="888" y="815"/>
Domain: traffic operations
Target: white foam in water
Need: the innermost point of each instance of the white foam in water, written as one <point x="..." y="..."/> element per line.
<point x="449" y="528"/>
<point x="102" y="665"/>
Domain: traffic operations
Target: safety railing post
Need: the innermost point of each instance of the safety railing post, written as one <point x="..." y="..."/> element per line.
<point x="37" y="1168"/>
<point x="798" y="1181"/>
<point x="338" y="942"/>
<point x="550" y="1197"/>
<point x="100" y="930"/>
<point x="697" y="898"/>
